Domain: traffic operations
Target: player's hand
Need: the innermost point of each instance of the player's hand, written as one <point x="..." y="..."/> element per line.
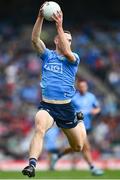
<point x="95" y="111"/>
<point x="58" y="18"/>
<point x="41" y="9"/>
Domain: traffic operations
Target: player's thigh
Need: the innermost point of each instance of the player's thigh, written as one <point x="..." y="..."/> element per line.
<point x="43" y="120"/>
<point x="76" y="136"/>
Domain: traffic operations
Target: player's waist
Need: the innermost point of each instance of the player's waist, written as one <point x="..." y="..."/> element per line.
<point x="56" y="101"/>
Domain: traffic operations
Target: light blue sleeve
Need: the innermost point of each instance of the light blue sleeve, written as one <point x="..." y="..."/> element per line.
<point x="95" y="102"/>
<point x="45" y="55"/>
<point x="77" y="58"/>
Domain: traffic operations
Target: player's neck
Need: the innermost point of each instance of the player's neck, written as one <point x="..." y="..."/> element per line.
<point x="82" y="93"/>
<point x="58" y="51"/>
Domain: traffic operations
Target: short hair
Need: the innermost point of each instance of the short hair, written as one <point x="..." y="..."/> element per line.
<point x="68" y="32"/>
<point x="65" y="31"/>
<point x="80" y="79"/>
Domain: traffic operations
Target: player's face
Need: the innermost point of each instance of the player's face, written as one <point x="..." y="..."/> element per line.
<point x="83" y="87"/>
<point x="68" y="37"/>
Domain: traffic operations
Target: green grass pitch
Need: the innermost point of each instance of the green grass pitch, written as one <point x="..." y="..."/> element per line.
<point x="67" y="174"/>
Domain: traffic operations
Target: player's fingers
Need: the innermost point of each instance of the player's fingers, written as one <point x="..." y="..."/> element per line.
<point x="43" y="4"/>
<point x="41" y="11"/>
<point x="55" y="17"/>
<point x="60" y="16"/>
<point x="59" y="13"/>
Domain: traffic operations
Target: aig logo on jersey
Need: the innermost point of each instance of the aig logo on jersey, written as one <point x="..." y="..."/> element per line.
<point x="54" y="67"/>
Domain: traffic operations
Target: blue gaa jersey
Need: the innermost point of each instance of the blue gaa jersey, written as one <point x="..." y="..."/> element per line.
<point x="85" y="103"/>
<point x="58" y="75"/>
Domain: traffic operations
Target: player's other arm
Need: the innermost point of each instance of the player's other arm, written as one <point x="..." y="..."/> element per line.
<point x="64" y="43"/>
<point x="37" y="43"/>
<point x="95" y="111"/>
<point x="96" y="106"/>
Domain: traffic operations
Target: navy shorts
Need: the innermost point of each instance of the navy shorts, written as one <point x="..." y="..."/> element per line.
<point x="63" y="114"/>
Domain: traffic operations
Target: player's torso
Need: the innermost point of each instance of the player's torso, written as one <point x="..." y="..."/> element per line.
<point x="82" y="103"/>
<point x="58" y="76"/>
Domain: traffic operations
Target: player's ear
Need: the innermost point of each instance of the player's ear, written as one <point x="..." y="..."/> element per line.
<point x="56" y="40"/>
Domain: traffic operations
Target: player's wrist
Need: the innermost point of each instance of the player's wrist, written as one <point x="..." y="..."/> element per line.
<point x="59" y="28"/>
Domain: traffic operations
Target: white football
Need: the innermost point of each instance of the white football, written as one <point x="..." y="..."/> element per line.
<point x="49" y="8"/>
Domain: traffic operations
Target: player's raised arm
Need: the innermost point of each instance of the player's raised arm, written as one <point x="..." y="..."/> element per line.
<point x="64" y="39"/>
<point x="37" y="43"/>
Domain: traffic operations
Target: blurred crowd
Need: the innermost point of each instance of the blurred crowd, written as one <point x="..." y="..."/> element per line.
<point x="99" y="50"/>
